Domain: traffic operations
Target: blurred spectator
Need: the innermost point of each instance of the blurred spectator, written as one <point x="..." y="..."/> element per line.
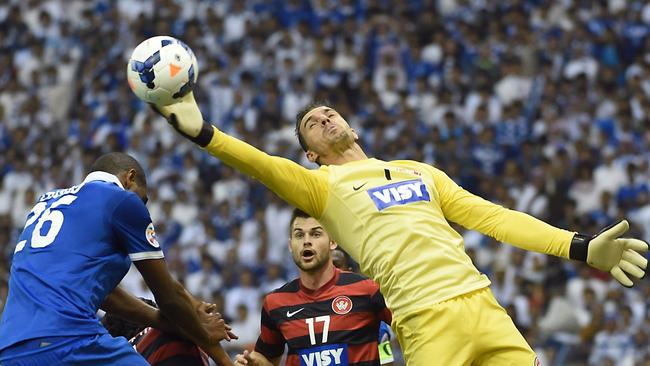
<point x="246" y="324"/>
<point x="205" y="281"/>
<point x="612" y="343"/>
<point x="244" y="293"/>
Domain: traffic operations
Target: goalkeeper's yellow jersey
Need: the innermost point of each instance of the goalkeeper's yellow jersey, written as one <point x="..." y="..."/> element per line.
<point x="392" y="218"/>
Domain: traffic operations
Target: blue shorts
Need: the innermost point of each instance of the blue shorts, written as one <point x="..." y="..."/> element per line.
<point x="87" y="350"/>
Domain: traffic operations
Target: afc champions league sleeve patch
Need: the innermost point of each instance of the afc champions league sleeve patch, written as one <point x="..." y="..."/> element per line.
<point x="150" y="234"/>
<point x="399" y="193"/>
<point x="341" y="305"/>
<point x="335" y="354"/>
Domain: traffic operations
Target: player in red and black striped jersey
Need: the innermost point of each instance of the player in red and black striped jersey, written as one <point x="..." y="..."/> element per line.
<point x="324" y="317"/>
<point x="161" y="348"/>
<point x="164" y="349"/>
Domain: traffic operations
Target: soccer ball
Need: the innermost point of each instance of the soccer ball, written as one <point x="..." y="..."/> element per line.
<point x="161" y="70"/>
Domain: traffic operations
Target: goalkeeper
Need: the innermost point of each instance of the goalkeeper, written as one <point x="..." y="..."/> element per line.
<point x="392" y="218"/>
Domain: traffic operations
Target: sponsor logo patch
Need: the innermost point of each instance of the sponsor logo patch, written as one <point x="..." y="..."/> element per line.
<point x="150" y="234"/>
<point x="327" y="355"/>
<point x="342" y="305"/>
<point x="399" y="193"/>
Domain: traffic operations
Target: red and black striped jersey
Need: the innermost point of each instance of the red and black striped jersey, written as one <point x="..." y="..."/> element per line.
<point x="337" y="324"/>
<point x="164" y="349"/>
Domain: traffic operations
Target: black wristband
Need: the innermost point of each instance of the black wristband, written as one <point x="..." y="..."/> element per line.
<point x="202" y="139"/>
<point x="205" y="136"/>
<point x="579" y="246"/>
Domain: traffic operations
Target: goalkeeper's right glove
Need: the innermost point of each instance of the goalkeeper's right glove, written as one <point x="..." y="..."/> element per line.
<point x="186" y="118"/>
<point x="607" y="252"/>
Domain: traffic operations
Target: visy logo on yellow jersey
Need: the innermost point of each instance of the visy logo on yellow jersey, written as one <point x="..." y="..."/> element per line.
<point x="399" y="193"/>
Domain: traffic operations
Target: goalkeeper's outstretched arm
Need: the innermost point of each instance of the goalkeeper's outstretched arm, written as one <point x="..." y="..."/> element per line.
<point x="607" y="251"/>
<point x="301" y="187"/>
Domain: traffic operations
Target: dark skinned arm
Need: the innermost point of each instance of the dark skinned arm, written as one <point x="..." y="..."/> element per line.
<point x="123" y="304"/>
<point x="176" y="304"/>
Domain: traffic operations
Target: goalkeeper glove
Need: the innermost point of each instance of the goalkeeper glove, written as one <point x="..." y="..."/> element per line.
<point x="186" y="118"/>
<point x="607" y="252"/>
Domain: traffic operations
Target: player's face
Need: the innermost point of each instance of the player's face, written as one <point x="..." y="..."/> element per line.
<point x="141" y="192"/>
<point x="324" y="130"/>
<point x="310" y="245"/>
<point x="130" y="183"/>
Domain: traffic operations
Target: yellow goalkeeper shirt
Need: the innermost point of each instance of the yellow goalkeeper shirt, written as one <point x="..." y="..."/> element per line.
<point x="392" y="218"/>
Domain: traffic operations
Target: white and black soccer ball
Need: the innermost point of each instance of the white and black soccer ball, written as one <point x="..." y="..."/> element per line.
<point x="161" y="70"/>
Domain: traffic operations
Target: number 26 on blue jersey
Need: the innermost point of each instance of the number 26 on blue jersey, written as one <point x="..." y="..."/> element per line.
<point x="40" y="215"/>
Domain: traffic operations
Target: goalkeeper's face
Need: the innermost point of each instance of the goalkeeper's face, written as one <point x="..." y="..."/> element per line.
<point x="325" y="132"/>
<point x="309" y="244"/>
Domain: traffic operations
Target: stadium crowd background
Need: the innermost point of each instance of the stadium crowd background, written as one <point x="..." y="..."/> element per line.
<point x="541" y="106"/>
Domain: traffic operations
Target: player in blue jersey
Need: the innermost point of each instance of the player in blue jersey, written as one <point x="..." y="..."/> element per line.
<point x="76" y="246"/>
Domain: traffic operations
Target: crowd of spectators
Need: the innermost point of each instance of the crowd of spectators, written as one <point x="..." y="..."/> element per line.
<point x="540" y="106"/>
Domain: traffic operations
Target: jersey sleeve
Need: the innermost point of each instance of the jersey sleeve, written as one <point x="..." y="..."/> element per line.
<point x="508" y="226"/>
<point x="132" y="225"/>
<point x="301" y="187"/>
<point x="271" y="342"/>
<point x="379" y="306"/>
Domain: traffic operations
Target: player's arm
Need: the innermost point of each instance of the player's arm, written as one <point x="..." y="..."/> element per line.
<point x="255" y="359"/>
<point x="300" y="187"/>
<point x="219" y="356"/>
<point x="508" y="226"/>
<point x="270" y="344"/>
<point x="384" y="344"/>
<point x="123" y="304"/>
<point x="175" y="303"/>
<point x="379" y="304"/>
<point x="605" y="251"/>
<point x="385" y="318"/>
<point x="133" y="229"/>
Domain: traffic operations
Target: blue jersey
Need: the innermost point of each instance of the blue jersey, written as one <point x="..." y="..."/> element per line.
<point x="77" y="245"/>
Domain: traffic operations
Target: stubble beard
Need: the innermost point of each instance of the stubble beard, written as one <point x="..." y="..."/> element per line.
<point x="343" y="140"/>
<point x="316" y="264"/>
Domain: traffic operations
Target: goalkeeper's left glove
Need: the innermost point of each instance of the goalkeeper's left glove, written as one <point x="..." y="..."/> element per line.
<point x="186" y="118"/>
<point x="607" y="252"/>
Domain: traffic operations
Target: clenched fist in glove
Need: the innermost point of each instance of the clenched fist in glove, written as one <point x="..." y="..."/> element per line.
<point x="186" y="118"/>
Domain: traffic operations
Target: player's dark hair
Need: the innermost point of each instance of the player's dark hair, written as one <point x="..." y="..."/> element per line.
<point x="351" y="263"/>
<point x="345" y="264"/>
<point x="295" y="214"/>
<point x="116" y="163"/>
<point x="119" y="327"/>
<point x="303" y="112"/>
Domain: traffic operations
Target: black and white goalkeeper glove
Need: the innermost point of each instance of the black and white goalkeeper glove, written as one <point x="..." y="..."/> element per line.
<point x="607" y="251"/>
<point x="186" y="118"/>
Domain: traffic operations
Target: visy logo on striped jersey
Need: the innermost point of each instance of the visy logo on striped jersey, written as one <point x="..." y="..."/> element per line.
<point x="399" y="193"/>
<point x="326" y="355"/>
